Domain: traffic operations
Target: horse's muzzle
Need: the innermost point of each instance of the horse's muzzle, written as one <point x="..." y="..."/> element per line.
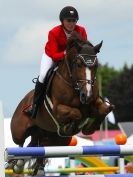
<point x="84" y="98"/>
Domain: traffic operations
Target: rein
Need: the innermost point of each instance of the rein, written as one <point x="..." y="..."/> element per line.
<point x="69" y="72"/>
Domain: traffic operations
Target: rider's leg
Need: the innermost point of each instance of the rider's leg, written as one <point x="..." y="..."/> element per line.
<point x="40" y="88"/>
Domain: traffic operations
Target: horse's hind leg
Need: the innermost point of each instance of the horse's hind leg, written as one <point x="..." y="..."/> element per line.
<point x="20" y="132"/>
<point x="19" y="165"/>
<point x="37" y="164"/>
<point x="20" y="124"/>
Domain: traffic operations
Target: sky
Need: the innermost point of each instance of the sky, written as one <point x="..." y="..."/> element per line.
<point x="24" y="26"/>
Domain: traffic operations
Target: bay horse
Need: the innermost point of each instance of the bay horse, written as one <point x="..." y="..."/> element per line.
<point x="72" y="103"/>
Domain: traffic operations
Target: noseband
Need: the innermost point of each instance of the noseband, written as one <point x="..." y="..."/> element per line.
<point x="85" y="58"/>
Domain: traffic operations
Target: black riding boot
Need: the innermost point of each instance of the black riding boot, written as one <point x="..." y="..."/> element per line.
<point x="39" y="93"/>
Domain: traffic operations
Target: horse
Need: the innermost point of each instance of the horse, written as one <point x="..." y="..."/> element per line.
<point x="72" y="103"/>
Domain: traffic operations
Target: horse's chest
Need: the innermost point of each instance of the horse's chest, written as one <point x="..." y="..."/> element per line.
<point x="75" y="102"/>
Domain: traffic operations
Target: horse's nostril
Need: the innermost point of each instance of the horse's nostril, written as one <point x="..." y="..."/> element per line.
<point x="82" y="97"/>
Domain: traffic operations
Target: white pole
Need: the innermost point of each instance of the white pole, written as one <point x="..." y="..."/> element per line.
<point x="2" y="173"/>
<point x="121" y="165"/>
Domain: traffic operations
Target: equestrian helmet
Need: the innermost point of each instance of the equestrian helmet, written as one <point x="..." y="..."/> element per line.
<point x="68" y="12"/>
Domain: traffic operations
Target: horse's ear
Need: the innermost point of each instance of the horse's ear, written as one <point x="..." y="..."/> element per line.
<point x="98" y="46"/>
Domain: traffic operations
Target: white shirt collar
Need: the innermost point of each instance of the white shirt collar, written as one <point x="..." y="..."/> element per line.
<point x="67" y="34"/>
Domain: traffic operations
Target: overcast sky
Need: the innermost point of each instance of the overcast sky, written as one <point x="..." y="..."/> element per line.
<point x="23" y="32"/>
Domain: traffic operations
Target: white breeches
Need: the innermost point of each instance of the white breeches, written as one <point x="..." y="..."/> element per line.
<point x="46" y="64"/>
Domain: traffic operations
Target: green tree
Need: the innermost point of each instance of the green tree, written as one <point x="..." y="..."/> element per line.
<point x="120" y="92"/>
<point x="105" y="75"/>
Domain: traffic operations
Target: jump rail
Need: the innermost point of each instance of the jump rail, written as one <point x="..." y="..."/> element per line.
<point x="113" y="175"/>
<point x="65" y="151"/>
<point x="68" y="170"/>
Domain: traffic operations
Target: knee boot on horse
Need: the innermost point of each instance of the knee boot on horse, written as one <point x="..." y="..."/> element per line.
<point x="39" y="94"/>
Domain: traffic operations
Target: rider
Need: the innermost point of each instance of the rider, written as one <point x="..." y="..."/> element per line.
<point x="55" y="51"/>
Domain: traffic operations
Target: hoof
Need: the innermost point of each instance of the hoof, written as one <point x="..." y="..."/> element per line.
<point x="20" y="163"/>
<point x="88" y="132"/>
<point x="91" y="127"/>
<point x="69" y="129"/>
<point x="17" y="169"/>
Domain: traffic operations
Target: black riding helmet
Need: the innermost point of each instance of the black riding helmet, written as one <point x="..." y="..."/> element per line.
<point x="68" y="12"/>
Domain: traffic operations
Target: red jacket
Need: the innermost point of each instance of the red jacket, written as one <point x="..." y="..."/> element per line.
<point x="57" y="40"/>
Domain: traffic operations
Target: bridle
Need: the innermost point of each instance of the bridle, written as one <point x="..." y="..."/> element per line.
<point x="88" y="63"/>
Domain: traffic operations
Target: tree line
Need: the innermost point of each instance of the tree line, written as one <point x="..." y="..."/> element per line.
<point x="117" y="86"/>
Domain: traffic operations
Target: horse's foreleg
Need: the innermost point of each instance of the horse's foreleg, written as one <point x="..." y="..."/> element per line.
<point x="103" y="107"/>
<point x="67" y="114"/>
<point x="100" y="111"/>
<point x="68" y="118"/>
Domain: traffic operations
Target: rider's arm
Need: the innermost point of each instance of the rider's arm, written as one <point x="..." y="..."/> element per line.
<point x="52" y="49"/>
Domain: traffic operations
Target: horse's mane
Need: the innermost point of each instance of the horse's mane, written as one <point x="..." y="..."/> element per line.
<point x="76" y="38"/>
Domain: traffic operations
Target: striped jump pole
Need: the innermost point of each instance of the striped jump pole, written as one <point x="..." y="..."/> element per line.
<point x="65" y="151"/>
